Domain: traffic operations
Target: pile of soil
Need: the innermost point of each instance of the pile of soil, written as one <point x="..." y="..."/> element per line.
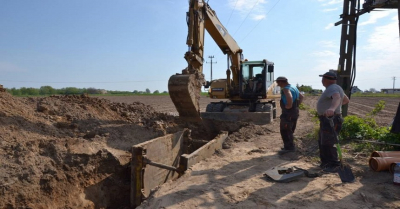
<point x="71" y="151"/>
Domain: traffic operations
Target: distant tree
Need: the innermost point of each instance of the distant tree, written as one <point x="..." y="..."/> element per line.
<point x="24" y="91"/>
<point x="32" y="91"/>
<point x="46" y="90"/>
<point x="72" y="90"/>
<point x="148" y="91"/>
<point x="372" y="90"/>
<point x="135" y="92"/>
<point x="307" y="89"/>
<point x="165" y="92"/>
<point x="92" y="90"/>
<point x="156" y="92"/>
<point x="29" y="91"/>
<point x="15" y="92"/>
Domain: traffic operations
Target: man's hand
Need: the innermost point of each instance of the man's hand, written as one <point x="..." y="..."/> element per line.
<point x="301" y="97"/>
<point x="346" y="100"/>
<point x="329" y="112"/>
<point x="335" y="104"/>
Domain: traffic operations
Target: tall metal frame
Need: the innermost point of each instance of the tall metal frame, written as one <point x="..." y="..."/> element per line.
<point x="351" y="11"/>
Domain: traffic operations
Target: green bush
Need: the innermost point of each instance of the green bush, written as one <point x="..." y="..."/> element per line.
<point x="358" y="128"/>
<point x="355" y="127"/>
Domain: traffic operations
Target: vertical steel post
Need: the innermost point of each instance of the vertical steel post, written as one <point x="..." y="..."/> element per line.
<point x="347" y="44"/>
<point x="398" y="11"/>
<point x="136" y="176"/>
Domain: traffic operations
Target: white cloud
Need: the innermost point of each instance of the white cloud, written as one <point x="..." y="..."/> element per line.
<point x="329" y="44"/>
<point x="244" y="7"/>
<point x="385" y="38"/>
<point x="379" y="56"/>
<point x="329" y="26"/>
<point x="325" y="53"/>
<point x="332" y="2"/>
<point x="258" y="17"/>
<point x="330" y="10"/>
<point x="374" y="16"/>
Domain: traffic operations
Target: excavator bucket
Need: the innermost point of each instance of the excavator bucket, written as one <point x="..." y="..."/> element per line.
<point x="184" y="90"/>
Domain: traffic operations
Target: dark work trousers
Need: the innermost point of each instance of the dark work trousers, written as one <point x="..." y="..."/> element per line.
<point x="327" y="140"/>
<point x="287" y="127"/>
<point x="288" y="124"/>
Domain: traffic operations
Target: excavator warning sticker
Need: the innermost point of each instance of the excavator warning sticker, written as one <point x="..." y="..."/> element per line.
<point x="221" y="29"/>
<point x="217" y="89"/>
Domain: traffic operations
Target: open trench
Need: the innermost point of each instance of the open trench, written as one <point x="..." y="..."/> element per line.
<point x="75" y="151"/>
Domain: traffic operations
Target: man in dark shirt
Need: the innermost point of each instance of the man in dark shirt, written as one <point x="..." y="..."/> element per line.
<point x="329" y="105"/>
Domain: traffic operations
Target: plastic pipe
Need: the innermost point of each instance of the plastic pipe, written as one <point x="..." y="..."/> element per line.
<point x="382" y="163"/>
<point x="385" y="154"/>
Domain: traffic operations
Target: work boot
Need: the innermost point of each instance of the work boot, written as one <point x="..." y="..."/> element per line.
<point x="323" y="165"/>
<point x="284" y="151"/>
<point x="331" y="169"/>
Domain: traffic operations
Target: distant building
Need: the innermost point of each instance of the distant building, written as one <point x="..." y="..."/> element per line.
<point x="355" y="89"/>
<point x="103" y="91"/>
<point x="390" y="91"/>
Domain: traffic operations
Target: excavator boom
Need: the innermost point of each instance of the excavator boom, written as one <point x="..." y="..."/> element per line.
<point x="246" y="85"/>
<point x="185" y="88"/>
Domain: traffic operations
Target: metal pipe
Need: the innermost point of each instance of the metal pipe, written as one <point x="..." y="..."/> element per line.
<point x="160" y="165"/>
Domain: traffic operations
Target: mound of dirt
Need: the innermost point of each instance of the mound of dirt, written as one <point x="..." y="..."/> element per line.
<point x="71" y="151"/>
<point x="245" y="134"/>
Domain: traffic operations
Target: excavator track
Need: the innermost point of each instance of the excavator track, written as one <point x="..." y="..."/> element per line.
<point x="184" y="90"/>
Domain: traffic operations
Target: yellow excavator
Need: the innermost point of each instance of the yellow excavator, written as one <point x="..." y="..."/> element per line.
<point x="249" y="86"/>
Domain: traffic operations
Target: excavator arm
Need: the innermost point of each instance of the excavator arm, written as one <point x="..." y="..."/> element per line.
<point x="224" y="41"/>
<point x="185" y="88"/>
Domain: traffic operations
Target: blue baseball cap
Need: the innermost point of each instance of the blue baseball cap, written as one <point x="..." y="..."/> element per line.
<point x="329" y="75"/>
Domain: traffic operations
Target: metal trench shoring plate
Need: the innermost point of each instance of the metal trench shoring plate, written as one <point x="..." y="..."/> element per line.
<point x="283" y="174"/>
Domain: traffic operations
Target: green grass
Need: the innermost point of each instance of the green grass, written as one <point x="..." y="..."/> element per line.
<point x="375" y="95"/>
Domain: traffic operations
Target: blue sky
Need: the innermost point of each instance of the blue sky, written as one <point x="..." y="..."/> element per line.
<point x="133" y="45"/>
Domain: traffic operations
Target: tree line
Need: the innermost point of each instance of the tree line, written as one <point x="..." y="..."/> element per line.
<point x="48" y="90"/>
<point x="306" y="89"/>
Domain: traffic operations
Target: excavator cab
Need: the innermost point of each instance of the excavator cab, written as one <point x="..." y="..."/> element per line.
<point x="255" y="77"/>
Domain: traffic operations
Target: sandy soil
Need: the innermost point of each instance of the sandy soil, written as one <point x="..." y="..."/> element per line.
<point x="233" y="178"/>
<point x="73" y="152"/>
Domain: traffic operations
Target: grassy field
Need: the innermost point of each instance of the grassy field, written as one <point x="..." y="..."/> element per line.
<point x="374" y="95"/>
